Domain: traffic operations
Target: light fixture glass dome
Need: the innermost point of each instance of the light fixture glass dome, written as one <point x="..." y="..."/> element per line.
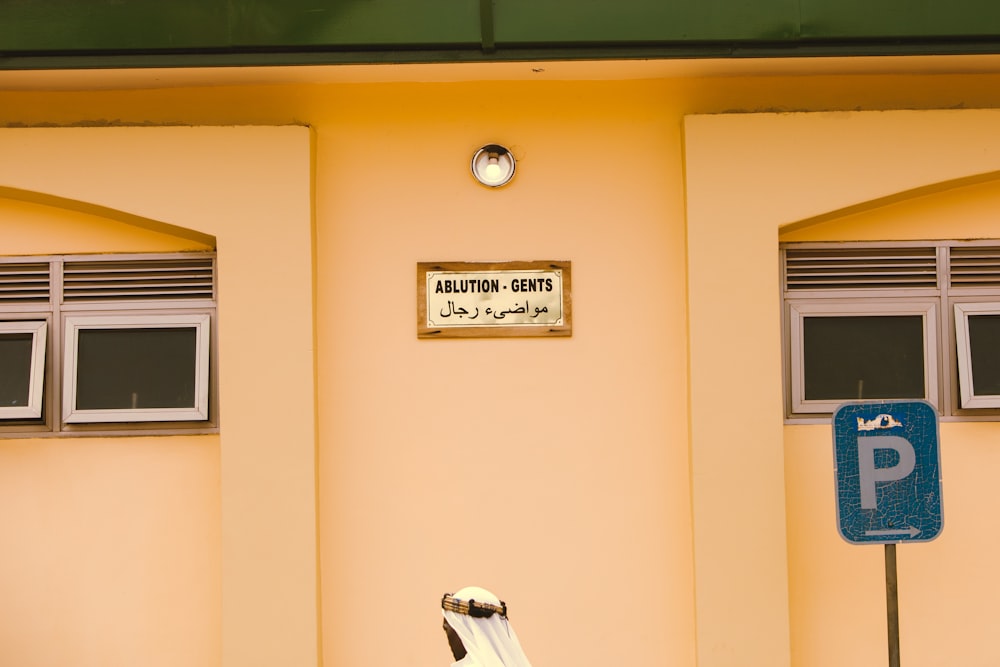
<point x="493" y="165"/>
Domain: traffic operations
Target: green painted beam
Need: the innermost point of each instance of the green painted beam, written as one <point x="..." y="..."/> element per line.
<point x="645" y="21"/>
<point x="39" y="26"/>
<point x="151" y="33"/>
<point x="354" y="23"/>
<point x="900" y="19"/>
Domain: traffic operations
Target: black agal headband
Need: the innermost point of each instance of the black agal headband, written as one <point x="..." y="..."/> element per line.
<point x="473" y="608"/>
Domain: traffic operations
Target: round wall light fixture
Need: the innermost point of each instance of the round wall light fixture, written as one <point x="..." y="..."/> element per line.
<point x="493" y="165"/>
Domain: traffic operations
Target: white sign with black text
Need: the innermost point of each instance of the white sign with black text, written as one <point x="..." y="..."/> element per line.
<point x="512" y="298"/>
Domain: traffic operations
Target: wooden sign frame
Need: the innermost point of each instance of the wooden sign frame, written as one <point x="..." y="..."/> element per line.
<point x="494" y="299"/>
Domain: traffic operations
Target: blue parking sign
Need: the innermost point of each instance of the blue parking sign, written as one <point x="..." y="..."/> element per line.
<point x="888" y="468"/>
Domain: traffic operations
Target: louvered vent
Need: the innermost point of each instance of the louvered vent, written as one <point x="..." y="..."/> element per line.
<point x="975" y="266"/>
<point x="168" y="279"/>
<point x="24" y="283"/>
<point x="860" y="268"/>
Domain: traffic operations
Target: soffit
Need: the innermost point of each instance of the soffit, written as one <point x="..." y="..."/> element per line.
<point x="575" y="70"/>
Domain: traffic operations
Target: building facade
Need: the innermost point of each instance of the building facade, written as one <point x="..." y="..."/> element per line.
<point x="642" y="490"/>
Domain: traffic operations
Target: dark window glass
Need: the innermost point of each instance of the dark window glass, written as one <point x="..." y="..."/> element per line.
<point x="984" y="345"/>
<point x="866" y="357"/>
<point x="121" y="369"/>
<point x="15" y="368"/>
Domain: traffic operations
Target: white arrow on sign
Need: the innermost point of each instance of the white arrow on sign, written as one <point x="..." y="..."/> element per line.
<point x="909" y="530"/>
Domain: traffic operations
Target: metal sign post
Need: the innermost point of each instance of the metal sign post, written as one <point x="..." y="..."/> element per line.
<point x="892" y="604"/>
<point x="888" y="468"/>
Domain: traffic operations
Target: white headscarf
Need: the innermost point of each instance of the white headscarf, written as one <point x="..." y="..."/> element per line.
<point x="489" y="642"/>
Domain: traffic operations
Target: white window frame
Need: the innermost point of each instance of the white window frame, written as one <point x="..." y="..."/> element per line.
<point x="798" y="311"/>
<point x="36" y="379"/>
<point x="73" y="324"/>
<point x="970" y="399"/>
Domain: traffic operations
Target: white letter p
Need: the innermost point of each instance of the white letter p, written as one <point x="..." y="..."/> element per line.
<point x="870" y="474"/>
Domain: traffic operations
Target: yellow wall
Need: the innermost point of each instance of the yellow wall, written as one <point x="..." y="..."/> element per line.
<point x="174" y="550"/>
<point x="631" y="491"/>
<point x="110" y="547"/>
<point x="554" y="471"/>
<point x="945" y="587"/>
<point x="110" y="551"/>
<point x="792" y="170"/>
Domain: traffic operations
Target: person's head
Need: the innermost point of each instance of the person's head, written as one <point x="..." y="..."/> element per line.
<point x="479" y="634"/>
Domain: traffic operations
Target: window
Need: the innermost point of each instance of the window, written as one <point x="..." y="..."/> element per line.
<point x="845" y="352"/>
<point x="127" y="369"/>
<point x="22" y="369"/>
<point x="874" y="321"/>
<point x="977" y="337"/>
<point x="107" y="343"/>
